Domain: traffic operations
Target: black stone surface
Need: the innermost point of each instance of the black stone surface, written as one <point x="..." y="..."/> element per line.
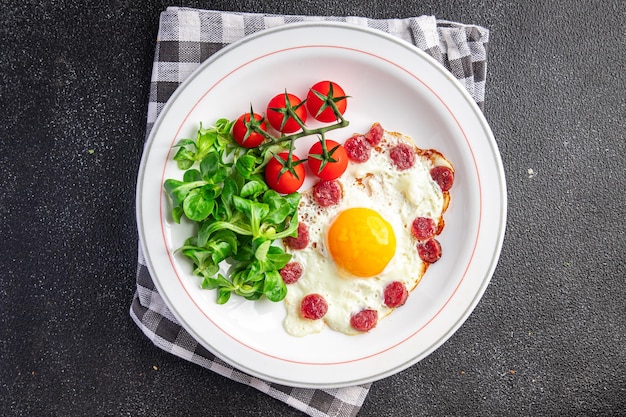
<point x="548" y="338"/>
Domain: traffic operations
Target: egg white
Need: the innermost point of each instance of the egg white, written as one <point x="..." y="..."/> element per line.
<point x="399" y="197"/>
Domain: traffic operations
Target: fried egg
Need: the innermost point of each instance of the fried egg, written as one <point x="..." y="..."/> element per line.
<point x="360" y="245"/>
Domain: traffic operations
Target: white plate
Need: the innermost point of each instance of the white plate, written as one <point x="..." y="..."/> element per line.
<point x="390" y="81"/>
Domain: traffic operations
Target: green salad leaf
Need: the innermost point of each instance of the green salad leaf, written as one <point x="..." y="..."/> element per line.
<point x="237" y="216"/>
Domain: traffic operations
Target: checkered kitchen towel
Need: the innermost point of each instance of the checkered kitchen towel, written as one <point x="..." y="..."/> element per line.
<point x="186" y="38"/>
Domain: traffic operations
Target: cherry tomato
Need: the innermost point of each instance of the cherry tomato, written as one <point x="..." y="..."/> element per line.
<point x="318" y="106"/>
<point x="332" y="169"/>
<point x="285" y="182"/>
<point x="243" y="135"/>
<point x="278" y="117"/>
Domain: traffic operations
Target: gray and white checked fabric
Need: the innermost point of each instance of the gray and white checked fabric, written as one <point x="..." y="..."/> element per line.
<point x="185" y="39"/>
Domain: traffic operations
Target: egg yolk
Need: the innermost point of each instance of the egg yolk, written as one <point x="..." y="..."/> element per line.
<point x="361" y="242"/>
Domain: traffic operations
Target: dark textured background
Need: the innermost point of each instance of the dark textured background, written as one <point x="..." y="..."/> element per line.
<point x="548" y="338"/>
